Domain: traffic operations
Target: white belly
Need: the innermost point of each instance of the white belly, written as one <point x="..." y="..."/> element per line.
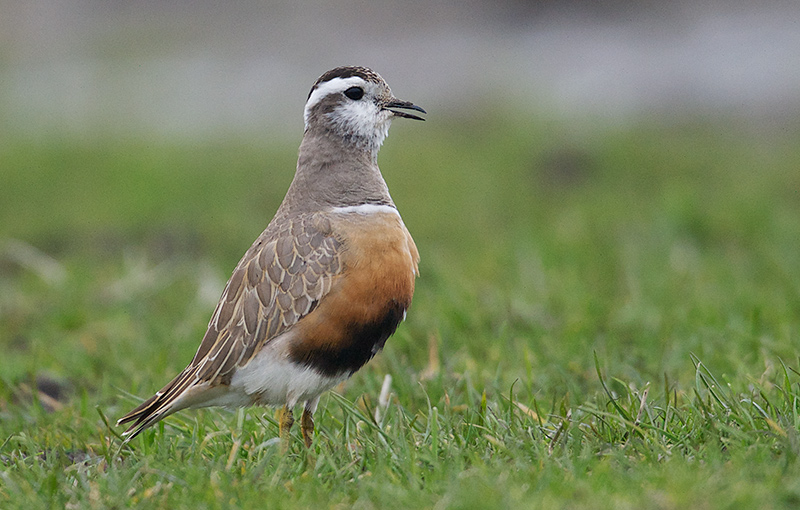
<point x="272" y="379"/>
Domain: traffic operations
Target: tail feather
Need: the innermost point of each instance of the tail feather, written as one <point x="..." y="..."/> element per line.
<point x="157" y="407"/>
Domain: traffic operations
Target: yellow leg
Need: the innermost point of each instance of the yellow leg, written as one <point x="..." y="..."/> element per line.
<point x="285" y="418"/>
<point x="307" y="427"/>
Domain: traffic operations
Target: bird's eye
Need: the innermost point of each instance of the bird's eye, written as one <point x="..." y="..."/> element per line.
<point x="354" y="93"/>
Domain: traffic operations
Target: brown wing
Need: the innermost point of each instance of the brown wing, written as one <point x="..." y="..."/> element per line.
<point x="280" y="279"/>
<point x="276" y="283"/>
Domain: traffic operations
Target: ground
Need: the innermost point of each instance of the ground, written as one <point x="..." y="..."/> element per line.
<point x="607" y="317"/>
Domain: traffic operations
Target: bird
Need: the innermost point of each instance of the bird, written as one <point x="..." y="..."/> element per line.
<point x="325" y="284"/>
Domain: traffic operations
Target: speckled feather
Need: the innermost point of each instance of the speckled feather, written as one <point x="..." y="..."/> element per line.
<point x="280" y="279"/>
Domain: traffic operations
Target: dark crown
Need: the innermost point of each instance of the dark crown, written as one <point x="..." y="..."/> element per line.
<point x="346" y="72"/>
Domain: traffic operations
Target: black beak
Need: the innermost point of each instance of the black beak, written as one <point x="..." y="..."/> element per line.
<point x="405" y="105"/>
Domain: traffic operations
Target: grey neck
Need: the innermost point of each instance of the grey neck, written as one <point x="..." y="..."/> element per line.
<point x="334" y="172"/>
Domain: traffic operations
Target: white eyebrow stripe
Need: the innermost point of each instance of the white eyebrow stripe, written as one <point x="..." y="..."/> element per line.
<point x="329" y="87"/>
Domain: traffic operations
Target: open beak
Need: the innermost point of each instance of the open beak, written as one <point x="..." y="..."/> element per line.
<point x="404" y="105"/>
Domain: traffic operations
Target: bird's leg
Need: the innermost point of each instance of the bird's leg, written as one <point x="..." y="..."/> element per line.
<point x="307" y="426"/>
<point x="285" y="418"/>
<point x="307" y="420"/>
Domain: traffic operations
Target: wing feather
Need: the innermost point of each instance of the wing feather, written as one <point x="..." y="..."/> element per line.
<point x="280" y="279"/>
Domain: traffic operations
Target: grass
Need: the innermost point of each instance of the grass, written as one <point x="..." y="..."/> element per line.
<point x="606" y="318"/>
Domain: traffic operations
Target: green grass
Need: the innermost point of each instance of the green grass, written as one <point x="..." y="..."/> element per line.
<point x="606" y="318"/>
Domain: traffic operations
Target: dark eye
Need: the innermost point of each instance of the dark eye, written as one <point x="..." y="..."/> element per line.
<point x="354" y="93"/>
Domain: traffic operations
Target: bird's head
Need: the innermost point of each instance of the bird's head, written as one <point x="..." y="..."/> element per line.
<point x="356" y="104"/>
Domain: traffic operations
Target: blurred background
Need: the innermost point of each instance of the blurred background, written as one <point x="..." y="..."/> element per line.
<point x="187" y="69"/>
<point x="594" y="176"/>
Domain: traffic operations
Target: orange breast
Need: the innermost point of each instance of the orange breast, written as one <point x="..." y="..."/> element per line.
<point x="367" y="300"/>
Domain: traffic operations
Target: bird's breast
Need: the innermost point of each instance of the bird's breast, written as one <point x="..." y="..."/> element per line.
<point x="368" y="298"/>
